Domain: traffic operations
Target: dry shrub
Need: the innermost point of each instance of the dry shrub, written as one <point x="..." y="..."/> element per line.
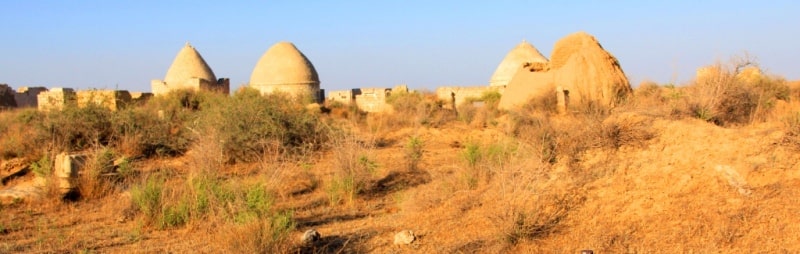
<point x="648" y="89"/>
<point x="652" y="98"/>
<point x="248" y="124"/>
<point x="481" y="111"/>
<point x="628" y="129"/>
<point x="75" y="129"/>
<point x="563" y="139"/>
<point x="97" y="177"/>
<point x="354" y="167"/>
<point x="17" y="138"/>
<point x="412" y="109"/>
<point x="727" y="96"/>
<point x="792" y="125"/>
<point x="537" y="217"/>
<point x="141" y="132"/>
<point x="525" y="204"/>
<point x="259" y="236"/>
<point x="483" y="161"/>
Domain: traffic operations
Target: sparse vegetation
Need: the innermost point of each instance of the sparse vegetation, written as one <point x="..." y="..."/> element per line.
<point x="354" y="169"/>
<point x="250" y="173"/>
<point x="43" y="167"/>
<point x="413" y="152"/>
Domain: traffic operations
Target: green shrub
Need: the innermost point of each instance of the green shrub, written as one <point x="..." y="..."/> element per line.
<point x="146" y="196"/>
<point x="413" y="152"/>
<point x="250" y="124"/>
<point x="142" y="132"/>
<point x="343" y="188"/>
<point x="175" y="215"/>
<point x="472" y="154"/>
<point x="75" y="129"/>
<point x="43" y="167"/>
<point x="258" y="200"/>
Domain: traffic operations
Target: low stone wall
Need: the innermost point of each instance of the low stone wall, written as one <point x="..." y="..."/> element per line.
<point x="341" y="96"/>
<point x="457" y="95"/>
<point x="372" y="99"/>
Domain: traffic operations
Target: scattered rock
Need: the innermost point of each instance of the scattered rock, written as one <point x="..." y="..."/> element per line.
<point x="310" y="236"/>
<point x="404" y="237"/>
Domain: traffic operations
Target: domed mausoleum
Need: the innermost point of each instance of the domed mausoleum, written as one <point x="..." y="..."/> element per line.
<point x="189" y="71"/>
<point x="523" y="53"/>
<point x="284" y="68"/>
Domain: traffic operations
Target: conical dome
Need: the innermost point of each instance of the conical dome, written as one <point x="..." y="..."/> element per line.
<point x="188" y="64"/>
<point x="284" y="64"/>
<point x="523" y="53"/>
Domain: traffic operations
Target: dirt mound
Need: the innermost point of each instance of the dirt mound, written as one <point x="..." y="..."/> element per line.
<point x="580" y="65"/>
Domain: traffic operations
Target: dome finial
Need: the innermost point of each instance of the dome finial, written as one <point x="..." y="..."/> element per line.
<point x="188" y="44"/>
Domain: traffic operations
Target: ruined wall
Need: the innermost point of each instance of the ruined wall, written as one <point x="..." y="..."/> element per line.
<point x="140" y="98"/>
<point x="341" y="96"/>
<point x="56" y="98"/>
<point x="111" y="99"/>
<point x="27" y="96"/>
<point x="372" y="99"/>
<point x="7" y="100"/>
<point x="457" y="95"/>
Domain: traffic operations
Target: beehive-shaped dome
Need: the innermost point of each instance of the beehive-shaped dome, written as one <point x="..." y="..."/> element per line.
<point x="188" y="64"/>
<point x="523" y="53"/>
<point x="284" y="64"/>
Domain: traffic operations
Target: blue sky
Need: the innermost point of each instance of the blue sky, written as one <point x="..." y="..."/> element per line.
<point x="425" y="44"/>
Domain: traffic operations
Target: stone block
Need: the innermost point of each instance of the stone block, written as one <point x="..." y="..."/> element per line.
<point x="67" y="169"/>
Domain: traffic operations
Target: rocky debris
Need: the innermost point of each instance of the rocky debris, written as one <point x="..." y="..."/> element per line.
<point x="404" y="237"/>
<point x="310" y="236"/>
<point x="13" y="168"/>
